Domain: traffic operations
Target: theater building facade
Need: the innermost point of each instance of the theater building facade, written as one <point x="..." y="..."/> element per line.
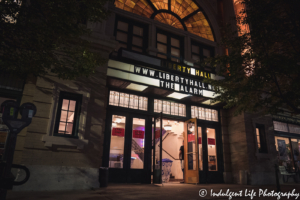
<point x="150" y="98"/>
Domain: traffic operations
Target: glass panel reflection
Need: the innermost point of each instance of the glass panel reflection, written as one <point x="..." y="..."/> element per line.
<point x="191" y="146"/>
<point x="200" y="148"/>
<point x="211" y="149"/>
<point x="137" y="143"/>
<point x="116" y="153"/>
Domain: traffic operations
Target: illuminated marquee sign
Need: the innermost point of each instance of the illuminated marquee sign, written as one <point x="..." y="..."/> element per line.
<point x="185" y="69"/>
<point x="174" y="82"/>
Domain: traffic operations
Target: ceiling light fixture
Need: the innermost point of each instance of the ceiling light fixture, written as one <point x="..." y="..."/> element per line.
<point x="168" y="127"/>
<point x="118" y="119"/>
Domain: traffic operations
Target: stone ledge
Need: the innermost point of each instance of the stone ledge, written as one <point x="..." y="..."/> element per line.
<point x="72" y="142"/>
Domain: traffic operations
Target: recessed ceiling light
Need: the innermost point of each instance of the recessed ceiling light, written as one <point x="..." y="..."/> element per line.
<point x="137" y="87"/>
<point x="177" y="95"/>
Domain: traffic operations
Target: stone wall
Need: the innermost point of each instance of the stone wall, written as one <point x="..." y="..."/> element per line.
<point x="59" y="162"/>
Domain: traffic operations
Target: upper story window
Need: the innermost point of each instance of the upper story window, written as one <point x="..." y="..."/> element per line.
<point x="200" y="52"/>
<point x="131" y="35"/>
<point x="169" y="46"/>
<point x="181" y="14"/>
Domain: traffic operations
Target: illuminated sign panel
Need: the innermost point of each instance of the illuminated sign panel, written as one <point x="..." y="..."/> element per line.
<point x="162" y="79"/>
<point x="174" y="82"/>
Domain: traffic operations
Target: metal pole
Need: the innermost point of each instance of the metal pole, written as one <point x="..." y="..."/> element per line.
<point x="277" y="178"/>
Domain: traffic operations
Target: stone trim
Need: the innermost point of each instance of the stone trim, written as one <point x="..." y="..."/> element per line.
<point x="56" y="140"/>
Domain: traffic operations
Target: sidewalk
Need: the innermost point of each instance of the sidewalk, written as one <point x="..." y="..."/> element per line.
<point x="169" y="191"/>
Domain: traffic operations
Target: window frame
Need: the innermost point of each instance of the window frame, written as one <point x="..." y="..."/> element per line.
<point x="130" y="34"/>
<point x="262" y="139"/>
<point x="169" y="46"/>
<point x="201" y="47"/>
<point x="78" y="99"/>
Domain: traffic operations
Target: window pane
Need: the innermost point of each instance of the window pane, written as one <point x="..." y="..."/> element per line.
<point x="143" y="103"/>
<point x="122" y="26"/>
<point x="208" y="114"/>
<point x="116" y="153"/>
<point x="211" y="149"/>
<point x="191" y="146"/>
<point x="176" y="108"/>
<point x="214" y="115"/>
<point x="161" y="56"/>
<point x="72" y="105"/>
<point x="162" y="48"/>
<point x="201" y="113"/>
<point x="206" y="53"/>
<point x="137" y="41"/>
<point x="63" y="116"/>
<point x="137" y="143"/>
<point x="175" y="52"/>
<point x="161" y="38"/>
<point x="69" y="128"/>
<point x="123" y="45"/>
<point x="195" y="58"/>
<point x="137" y="49"/>
<point x="175" y="59"/>
<point x="166" y="107"/>
<point x="65" y="104"/>
<point x="200" y="148"/>
<point x="175" y="42"/>
<point x="294" y="128"/>
<point x="62" y="127"/>
<point x="280" y="126"/>
<point x="114" y="98"/>
<point x="137" y="30"/>
<point x="121" y="36"/>
<point x="133" y="103"/>
<point x="70" y="116"/>
<point x="283" y="151"/>
<point x="195" y="49"/>
<point x="258" y="139"/>
<point x="172" y="108"/>
<point x="124" y="100"/>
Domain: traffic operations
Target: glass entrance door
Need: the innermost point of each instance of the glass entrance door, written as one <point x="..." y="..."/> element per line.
<point x="157" y="149"/>
<point x="191" y="156"/>
<point x="129" y="138"/>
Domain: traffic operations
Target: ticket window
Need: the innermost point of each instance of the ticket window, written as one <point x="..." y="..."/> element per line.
<point x="211" y="149"/>
<point x="116" y="154"/>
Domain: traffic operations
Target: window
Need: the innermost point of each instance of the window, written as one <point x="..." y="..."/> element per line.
<point x="261" y="139"/>
<point x="169" y="47"/>
<point x="211" y="149"/>
<point x="201" y="52"/>
<point x="68" y="112"/>
<point x="285" y="127"/>
<point x="182" y="14"/>
<point x="204" y="113"/>
<point x="117" y="141"/>
<point x="128" y="100"/>
<point x="169" y="108"/>
<point x="131" y="35"/>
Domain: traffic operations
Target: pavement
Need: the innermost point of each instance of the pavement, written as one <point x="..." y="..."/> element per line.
<point x="168" y="191"/>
